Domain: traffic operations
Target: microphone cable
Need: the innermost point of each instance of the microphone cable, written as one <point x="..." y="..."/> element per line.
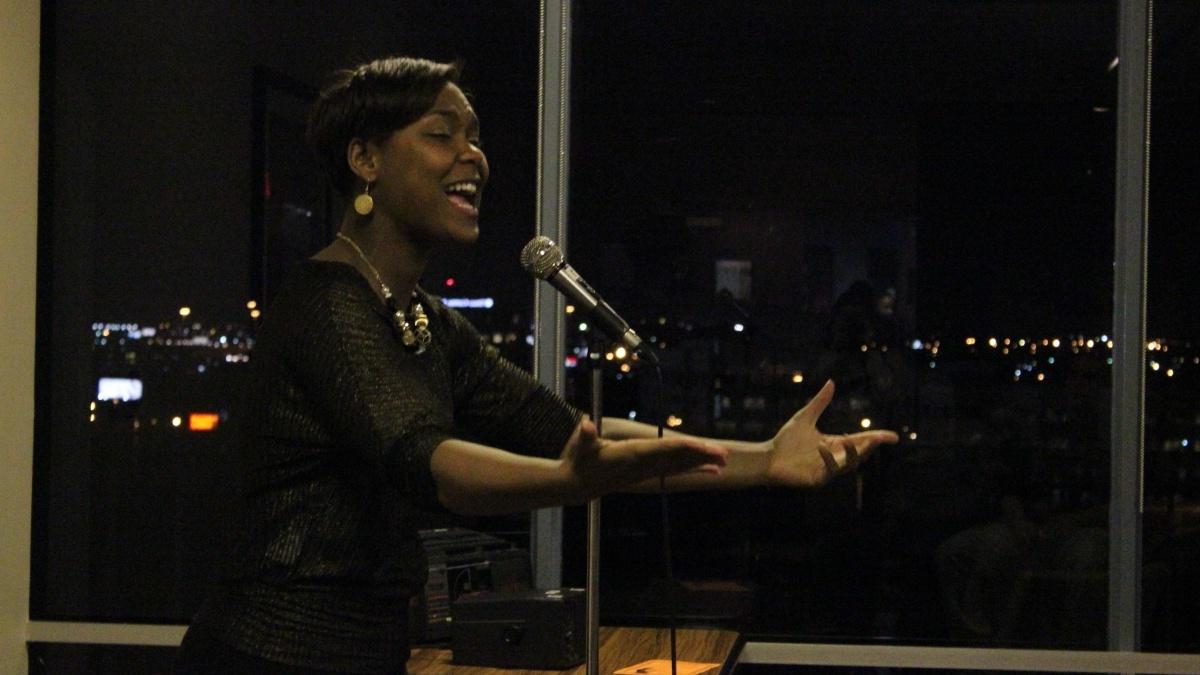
<point x="672" y="604"/>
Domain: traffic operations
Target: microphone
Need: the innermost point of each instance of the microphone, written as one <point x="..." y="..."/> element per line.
<point x="542" y="258"/>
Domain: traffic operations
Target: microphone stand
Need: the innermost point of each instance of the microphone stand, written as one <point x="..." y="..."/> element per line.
<point x="593" y="523"/>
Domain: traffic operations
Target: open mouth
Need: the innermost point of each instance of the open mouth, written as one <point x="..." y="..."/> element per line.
<point x="464" y="195"/>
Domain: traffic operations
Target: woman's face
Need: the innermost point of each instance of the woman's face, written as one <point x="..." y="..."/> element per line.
<point x="432" y="172"/>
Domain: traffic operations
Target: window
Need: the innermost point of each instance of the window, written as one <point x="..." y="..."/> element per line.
<point x="1169" y="536"/>
<point x="915" y="200"/>
<point x="181" y="191"/>
<point x="919" y="200"/>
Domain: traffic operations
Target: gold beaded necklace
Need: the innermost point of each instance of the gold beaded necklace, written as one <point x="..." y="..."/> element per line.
<point x="412" y="324"/>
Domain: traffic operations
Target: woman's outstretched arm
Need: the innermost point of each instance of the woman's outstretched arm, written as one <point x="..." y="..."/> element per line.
<point x="798" y="455"/>
<point x="475" y="479"/>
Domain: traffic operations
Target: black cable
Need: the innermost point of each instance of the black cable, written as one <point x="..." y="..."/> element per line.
<point x="666" y="525"/>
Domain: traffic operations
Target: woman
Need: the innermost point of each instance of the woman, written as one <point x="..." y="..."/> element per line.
<point x="369" y="399"/>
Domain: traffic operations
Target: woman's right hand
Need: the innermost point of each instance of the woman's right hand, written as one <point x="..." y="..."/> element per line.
<point x="596" y="465"/>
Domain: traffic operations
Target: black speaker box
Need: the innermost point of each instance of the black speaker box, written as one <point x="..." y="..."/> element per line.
<point x="527" y="629"/>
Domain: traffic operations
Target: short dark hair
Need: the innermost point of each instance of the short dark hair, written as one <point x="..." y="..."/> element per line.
<point x="370" y="102"/>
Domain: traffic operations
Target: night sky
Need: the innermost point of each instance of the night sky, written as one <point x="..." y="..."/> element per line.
<point x="975" y="121"/>
<point x="1008" y="166"/>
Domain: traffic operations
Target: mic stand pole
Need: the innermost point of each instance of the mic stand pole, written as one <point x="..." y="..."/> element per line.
<point x="593" y="526"/>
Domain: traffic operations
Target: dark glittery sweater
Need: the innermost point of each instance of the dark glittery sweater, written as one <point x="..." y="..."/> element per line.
<point x="340" y="424"/>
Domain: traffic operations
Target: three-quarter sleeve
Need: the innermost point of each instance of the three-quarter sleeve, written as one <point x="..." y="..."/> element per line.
<point x="502" y="404"/>
<point x="332" y="340"/>
<point x="384" y="402"/>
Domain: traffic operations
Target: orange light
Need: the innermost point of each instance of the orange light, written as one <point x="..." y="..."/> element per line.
<point x="203" y="421"/>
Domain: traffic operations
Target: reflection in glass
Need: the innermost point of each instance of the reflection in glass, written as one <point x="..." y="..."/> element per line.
<point x="179" y="190"/>
<point x="1171" y="532"/>
<point x="914" y="200"/>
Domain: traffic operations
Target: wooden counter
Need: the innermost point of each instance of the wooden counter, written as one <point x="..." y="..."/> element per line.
<point x="619" y="648"/>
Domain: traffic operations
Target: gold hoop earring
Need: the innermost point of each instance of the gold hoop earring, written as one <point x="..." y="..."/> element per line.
<point x="364" y="203"/>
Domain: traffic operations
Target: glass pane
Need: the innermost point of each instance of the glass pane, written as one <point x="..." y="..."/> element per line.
<point x="179" y="179"/>
<point x="913" y="199"/>
<point x="1171" y="534"/>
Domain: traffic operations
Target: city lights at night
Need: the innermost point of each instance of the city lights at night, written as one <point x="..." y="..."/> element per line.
<point x="931" y="206"/>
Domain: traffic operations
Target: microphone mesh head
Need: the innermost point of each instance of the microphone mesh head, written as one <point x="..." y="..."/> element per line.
<point x="541" y="256"/>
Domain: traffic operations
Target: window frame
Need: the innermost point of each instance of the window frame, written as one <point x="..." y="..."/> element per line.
<point x="1131" y="222"/>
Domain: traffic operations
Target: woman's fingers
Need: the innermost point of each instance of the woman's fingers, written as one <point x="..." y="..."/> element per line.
<point x="831" y="464"/>
<point x="607" y="465"/>
<point x="667" y="456"/>
<point x="843" y="453"/>
<point x="865" y="441"/>
<point x="851" y="453"/>
<point x="692" y="454"/>
<point x="587" y="432"/>
<point x="813" y="410"/>
<point x="838" y="453"/>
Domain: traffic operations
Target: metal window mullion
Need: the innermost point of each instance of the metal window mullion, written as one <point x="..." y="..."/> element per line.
<point x="97" y="633"/>
<point x="1129" y="325"/>
<point x="554" y="51"/>
<point x="968" y="659"/>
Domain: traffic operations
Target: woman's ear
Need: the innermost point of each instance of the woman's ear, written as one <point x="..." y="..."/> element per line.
<point x="363" y="158"/>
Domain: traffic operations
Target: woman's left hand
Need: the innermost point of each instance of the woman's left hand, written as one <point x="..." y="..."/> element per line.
<point x="802" y="456"/>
